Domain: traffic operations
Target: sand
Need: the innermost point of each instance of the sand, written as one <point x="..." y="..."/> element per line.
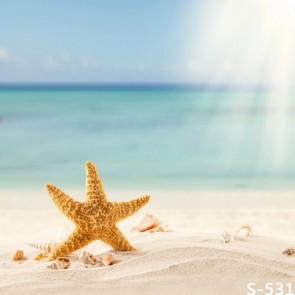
<point x="186" y="259"/>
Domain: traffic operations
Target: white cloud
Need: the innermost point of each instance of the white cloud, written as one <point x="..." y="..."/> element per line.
<point x="10" y="57"/>
<point x="3" y="54"/>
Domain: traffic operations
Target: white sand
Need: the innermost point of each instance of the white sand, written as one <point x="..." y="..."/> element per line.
<point x="188" y="259"/>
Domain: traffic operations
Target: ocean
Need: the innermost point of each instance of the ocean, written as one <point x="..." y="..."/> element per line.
<point x="146" y="136"/>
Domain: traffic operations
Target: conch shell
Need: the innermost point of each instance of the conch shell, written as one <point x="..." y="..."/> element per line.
<point x="87" y="258"/>
<point x="18" y="255"/>
<point x="146" y="222"/>
<point x="45" y="247"/>
<point x="59" y="263"/>
<point x="107" y="259"/>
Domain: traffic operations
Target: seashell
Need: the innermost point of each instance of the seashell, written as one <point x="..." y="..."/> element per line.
<point x="77" y="265"/>
<point x="59" y="263"/>
<point x="245" y="230"/>
<point x="225" y="237"/>
<point x="87" y="258"/>
<point x="289" y="251"/>
<point x="107" y="259"/>
<point x="40" y="256"/>
<point x="18" y="255"/>
<point x="146" y="222"/>
<point x="46" y="247"/>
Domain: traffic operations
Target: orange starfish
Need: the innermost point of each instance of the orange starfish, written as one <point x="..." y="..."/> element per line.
<point x="95" y="219"/>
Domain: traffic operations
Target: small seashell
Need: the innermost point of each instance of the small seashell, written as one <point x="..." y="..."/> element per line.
<point x="225" y="237"/>
<point x="146" y="222"/>
<point x="46" y="247"/>
<point x="87" y="258"/>
<point x="59" y="263"/>
<point x="245" y="230"/>
<point x="289" y="251"/>
<point x="18" y="255"/>
<point x="107" y="259"/>
<point x="40" y="256"/>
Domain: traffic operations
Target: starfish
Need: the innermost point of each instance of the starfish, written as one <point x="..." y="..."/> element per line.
<point x="95" y="219"/>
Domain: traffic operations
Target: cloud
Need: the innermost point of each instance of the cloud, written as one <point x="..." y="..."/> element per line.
<point x="10" y="57"/>
<point x="3" y="54"/>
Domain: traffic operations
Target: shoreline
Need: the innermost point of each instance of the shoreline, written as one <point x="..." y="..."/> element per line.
<point x="162" y="199"/>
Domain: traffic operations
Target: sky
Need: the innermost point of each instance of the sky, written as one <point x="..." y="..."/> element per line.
<point x="92" y="41"/>
<point x="158" y="41"/>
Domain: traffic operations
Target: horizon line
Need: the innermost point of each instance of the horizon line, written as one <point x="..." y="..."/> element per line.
<point x="123" y="86"/>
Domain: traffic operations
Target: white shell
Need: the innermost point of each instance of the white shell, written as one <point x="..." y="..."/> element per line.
<point x="45" y="247"/>
<point x="87" y="258"/>
<point x="146" y="222"/>
<point x="225" y="237"/>
<point x="59" y="263"/>
<point x="245" y="231"/>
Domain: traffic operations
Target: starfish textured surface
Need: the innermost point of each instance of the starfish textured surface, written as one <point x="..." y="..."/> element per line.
<point x="95" y="219"/>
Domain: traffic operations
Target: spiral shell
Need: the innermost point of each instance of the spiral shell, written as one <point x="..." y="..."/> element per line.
<point x="59" y="263"/>
<point x="146" y="222"/>
<point x="87" y="258"/>
<point x="45" y="247"/>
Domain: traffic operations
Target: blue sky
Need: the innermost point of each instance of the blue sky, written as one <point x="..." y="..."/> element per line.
<point x="155" y="41"/>
<point x="93" y="41"/>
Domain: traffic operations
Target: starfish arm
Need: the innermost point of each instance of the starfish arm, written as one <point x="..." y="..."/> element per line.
<point x="67" y="205"/>
<point x="94" y="188"/>
<point x="114" y="237"/>
<point x="123" y="210"/>
<point x="75" y="241"/>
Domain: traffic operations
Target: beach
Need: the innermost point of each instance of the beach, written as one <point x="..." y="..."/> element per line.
<point x="187" y="258"/>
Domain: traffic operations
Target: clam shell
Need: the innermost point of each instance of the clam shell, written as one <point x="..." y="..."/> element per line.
<point x="145" y="222"/>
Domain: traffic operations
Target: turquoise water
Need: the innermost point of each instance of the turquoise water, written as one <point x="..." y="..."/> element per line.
<point x="150" y="138"/>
